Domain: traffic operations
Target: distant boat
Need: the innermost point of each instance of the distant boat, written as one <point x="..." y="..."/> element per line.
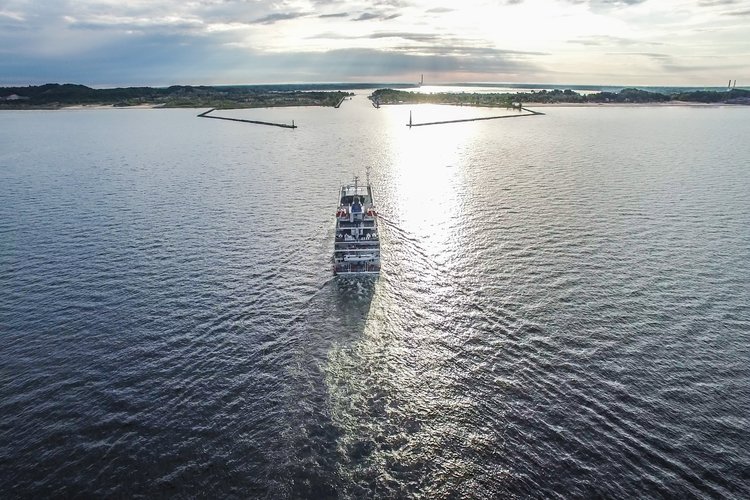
<point x="356" y="250"/>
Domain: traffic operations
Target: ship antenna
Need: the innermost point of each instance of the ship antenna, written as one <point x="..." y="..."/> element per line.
<point x="367" y="174"/>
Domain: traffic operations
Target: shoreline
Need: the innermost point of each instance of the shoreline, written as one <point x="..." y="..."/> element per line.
<point x="110" y="106"/>
<point x="581" y="104"/>
<point x="77" y="107"/>
<point x="157" y="106"/>
<point x="76" y="97"/>
<point x="631" y="104"/>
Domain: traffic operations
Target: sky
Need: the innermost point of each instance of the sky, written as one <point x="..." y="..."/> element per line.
<point x="104" y="43"/>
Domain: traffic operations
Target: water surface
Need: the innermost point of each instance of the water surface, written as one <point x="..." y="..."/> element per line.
<point x="563" y="309"/>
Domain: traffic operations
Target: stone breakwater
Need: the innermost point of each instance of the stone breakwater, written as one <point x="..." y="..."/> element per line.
<point x="205" y="114"/>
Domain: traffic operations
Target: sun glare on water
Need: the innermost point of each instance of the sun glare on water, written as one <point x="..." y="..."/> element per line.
<point x="428" y="169"/>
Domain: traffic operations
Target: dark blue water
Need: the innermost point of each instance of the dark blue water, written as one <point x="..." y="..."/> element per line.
<point x="564" y="307"/>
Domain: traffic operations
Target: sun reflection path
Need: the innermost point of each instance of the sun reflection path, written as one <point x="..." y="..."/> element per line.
<point x="402" y="395"/>
<point x="403" y="399"/>
<point x="429" y="184"/>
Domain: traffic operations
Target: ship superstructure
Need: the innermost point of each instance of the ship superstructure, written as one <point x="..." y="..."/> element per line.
<point x="357" y="246"/>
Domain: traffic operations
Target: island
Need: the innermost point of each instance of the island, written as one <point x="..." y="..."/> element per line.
<point x="55" y="96"/>
<point x="514" y="99"/>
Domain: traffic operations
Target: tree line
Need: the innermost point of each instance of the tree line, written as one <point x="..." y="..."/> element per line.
<point x="628" y="95"/>
<point x="55" y="95"/>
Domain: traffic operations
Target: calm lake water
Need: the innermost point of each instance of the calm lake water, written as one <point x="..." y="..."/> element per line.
<point x="564" y="307"/>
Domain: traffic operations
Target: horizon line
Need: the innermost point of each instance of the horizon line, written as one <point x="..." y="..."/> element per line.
<point x="594" y="86"/>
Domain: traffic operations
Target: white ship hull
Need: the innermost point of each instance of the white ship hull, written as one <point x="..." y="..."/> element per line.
<point x="357" y="242"/>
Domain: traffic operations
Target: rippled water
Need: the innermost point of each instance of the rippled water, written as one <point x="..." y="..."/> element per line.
<point x="564" y="307"/>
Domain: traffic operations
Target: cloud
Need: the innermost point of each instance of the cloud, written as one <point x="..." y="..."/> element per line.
<point x="699" y="68"/>
<point x="156" y="60"/>
<point x="162" y="24"/>
<point x="245" y="41"/>
<point x="714" y="3"/>
<point x="603" y="5"/>
<point x="720" y="5"/>
<point x="618" y="2"/>
<point x="466" y="50"/>
<point x="381" y="16"/>
<point x="15" y="16"/>
<point x="144" y="59"/>
<point x="417" y="37"/>
<point x="682" y="65"/>
<point x="366" y="16"/>
<point x="383" y="64"/>
<point x="280" y="16"/>
<point x="338" y="14"/>
<point x="442" y="44"/>
<point x="651" y="55"/>
<point x="435" y="44"/>
<point x="602" y="40"/>
<point x="393" y="3"/>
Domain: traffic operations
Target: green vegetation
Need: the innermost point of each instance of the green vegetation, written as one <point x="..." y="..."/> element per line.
<point x="51" y="96"/>
<point x="54" y="95"/>
<point x="390" y="96"/>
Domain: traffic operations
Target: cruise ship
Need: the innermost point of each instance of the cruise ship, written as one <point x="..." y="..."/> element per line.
<point x="357" y="247"/>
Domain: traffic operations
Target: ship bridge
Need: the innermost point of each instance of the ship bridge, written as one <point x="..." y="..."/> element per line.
<point x="348" y="193"/>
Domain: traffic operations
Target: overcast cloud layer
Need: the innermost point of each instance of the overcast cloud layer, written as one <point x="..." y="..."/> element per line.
<point x="162" y="42"/>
